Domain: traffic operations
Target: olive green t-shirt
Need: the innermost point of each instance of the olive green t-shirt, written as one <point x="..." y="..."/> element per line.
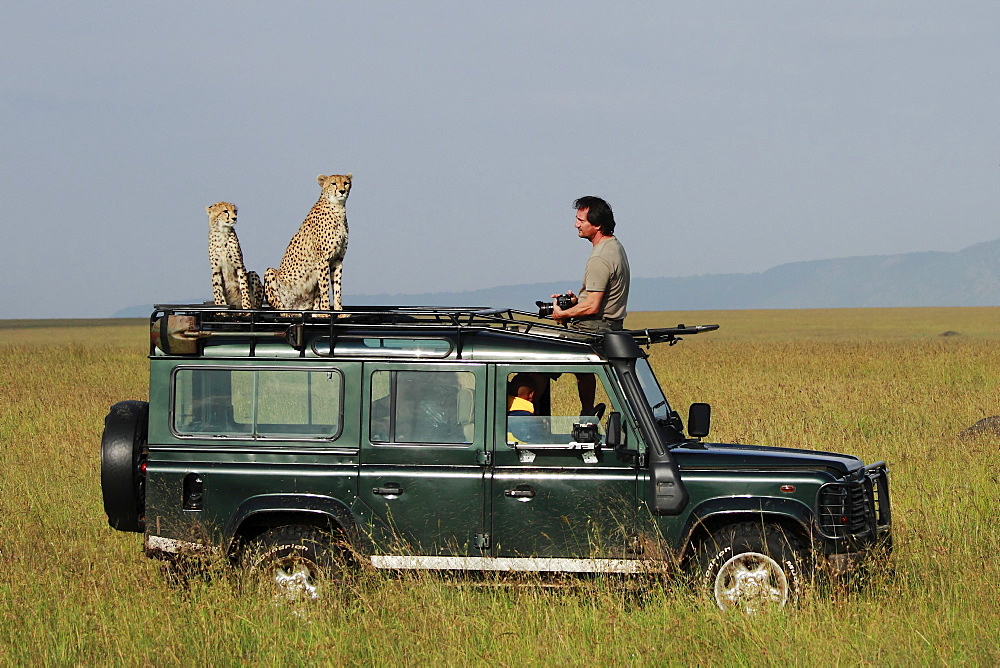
<point x="607" y="272"/>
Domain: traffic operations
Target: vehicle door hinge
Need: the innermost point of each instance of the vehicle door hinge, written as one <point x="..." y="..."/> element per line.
<point x="482" y="541"/>
<point x="484" y="457"/>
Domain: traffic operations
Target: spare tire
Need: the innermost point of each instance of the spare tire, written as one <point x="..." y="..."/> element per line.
<point x="123" y="481"/>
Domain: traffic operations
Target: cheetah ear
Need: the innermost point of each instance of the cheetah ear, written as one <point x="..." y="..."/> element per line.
<point x="350" y="176"/>
<point x="208" y="209"/>
<point x="320" y="179"/>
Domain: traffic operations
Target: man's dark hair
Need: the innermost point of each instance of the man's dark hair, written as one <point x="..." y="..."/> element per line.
<point x="521" y="380"/>
<point x="599" y="213"/>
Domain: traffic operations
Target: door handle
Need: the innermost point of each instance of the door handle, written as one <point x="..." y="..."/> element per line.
<point x="522" y="492"/>
<point x="390" y="489"/>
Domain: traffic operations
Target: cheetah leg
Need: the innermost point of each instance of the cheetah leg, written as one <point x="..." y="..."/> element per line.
<point x="323" y="286"/>
<point x="217" y="291"/>
<point x="245" y="296"/>
<point x="254" y="294"/>
<point x="337" y="271"/>
<point x="272" y="288"/>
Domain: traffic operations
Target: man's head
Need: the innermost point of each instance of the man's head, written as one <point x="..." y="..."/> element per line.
<point x="522" y="385"/>
<point x="594" y="212"/>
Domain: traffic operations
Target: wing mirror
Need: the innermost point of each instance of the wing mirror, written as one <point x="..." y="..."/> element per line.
<point x="614" y="438"/>
<point x="699" y="420"/>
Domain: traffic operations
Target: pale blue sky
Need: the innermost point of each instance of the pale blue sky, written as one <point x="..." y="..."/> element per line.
<point x="728" y="137"/>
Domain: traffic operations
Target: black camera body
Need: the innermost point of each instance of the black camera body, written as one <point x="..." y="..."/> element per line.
<point x="545" y="308"/>
<point x="586" y="432"/>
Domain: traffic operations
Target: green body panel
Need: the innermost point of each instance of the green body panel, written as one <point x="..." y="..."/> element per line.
<point x="577" y="511"/>
<point x="715" y="494"/>
<point x="228" y="487"/>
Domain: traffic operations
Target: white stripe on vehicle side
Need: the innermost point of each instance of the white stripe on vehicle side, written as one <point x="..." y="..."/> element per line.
<point x="514" y="564"/>
<point x="162" y="544"/>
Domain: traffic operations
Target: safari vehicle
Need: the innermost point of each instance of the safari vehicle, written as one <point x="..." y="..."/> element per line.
<point x="300" y="442"/>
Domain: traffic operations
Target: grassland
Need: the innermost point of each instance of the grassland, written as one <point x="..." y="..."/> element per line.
<point x="882" y="384"/>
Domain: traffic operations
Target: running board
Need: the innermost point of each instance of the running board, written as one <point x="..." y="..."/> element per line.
<point x="514" y="564"/>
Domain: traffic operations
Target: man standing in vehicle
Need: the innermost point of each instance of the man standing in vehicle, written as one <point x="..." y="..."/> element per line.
<point x="601" y="306"/>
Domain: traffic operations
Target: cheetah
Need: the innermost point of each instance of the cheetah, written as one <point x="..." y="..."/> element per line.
<point x="232" y="284"/>
<point x="315" y="254"/>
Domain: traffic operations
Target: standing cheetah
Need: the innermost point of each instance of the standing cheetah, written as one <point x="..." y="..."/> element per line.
<point x="232" y="284"/>
<point x="315" y="254"/>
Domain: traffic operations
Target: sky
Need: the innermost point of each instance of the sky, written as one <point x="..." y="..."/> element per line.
<point x="729" y="137"/>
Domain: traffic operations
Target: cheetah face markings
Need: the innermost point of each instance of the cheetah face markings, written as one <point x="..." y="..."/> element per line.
<point x="336" y="187"/>
<point x="221" y="216"/>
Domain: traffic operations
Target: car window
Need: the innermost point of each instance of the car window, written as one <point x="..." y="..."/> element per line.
<point x="423" y="406"/>
<point x="651" y="389"/>
<point x="554" y="409"/>
<point x="258" y="403"/>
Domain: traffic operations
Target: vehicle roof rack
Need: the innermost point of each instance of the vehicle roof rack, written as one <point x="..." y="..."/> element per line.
<point x="174" y="324"/>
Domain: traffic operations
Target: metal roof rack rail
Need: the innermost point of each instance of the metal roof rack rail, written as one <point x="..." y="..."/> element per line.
<point x="177" y="328"/>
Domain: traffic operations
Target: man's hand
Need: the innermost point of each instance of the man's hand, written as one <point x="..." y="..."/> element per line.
<point x="589" y="306"/>
<point x="570" y="294"/>
<point x="557" y="313"/>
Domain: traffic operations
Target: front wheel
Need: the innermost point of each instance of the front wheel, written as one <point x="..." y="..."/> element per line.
<point x="752" y="567"/>
<point x="296" y="561"/>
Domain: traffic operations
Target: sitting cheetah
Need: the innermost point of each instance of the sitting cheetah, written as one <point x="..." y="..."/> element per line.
<point x="232" y="284"/>
<point x="315" y="254"/>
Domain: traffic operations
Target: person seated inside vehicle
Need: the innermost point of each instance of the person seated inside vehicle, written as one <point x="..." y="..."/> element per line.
<point x="521" y="391"/>
<point x="522" y="424"/>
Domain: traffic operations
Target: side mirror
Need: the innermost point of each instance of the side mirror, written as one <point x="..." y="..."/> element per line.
<point x="614" y="437"/>
<point x="699" y="420"/>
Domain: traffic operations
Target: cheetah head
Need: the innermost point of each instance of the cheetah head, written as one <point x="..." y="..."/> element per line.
<point x="221" y="216"/>
<point x="336" y="187"/>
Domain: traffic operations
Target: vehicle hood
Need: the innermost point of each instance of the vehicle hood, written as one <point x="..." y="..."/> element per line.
<point x="729" y="455"/>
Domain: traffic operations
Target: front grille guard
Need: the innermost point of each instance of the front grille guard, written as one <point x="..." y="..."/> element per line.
<point x="857" y="511"/>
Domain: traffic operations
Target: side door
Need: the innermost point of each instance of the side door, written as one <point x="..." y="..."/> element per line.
<point x="423" y="458"/>
<point x="550" y="495"/>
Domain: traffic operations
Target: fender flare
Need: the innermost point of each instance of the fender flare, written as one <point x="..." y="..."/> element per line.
<point x="732" y="509"/>
<point x="316" y="506"/>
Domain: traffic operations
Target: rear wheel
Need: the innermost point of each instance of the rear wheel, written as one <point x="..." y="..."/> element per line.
<point x="752" y="567"/>
<point x="123" y="446"/>
<point x="298" y="562"/>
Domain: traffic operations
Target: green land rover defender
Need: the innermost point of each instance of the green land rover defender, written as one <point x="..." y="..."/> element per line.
<point x="298" y="443"/>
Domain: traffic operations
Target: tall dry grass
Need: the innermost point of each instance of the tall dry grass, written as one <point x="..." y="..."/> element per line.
<point x="882" y="384"/>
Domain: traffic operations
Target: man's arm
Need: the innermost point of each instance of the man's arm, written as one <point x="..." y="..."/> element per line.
<point x="590" y="305"/>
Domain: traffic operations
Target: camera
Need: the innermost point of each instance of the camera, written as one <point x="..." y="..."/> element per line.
<point x="585" y="432"/>
<point x="545" y="308"/>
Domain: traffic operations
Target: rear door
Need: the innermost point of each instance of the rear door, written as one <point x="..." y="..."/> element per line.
<point x="549" y="497"/>
<point x="423" y="457"/>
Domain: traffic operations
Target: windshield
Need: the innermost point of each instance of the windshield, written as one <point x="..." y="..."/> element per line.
<point x="654" y="395"/>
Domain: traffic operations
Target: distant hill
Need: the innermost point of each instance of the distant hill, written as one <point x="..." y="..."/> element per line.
<point x="969" y="277"/>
